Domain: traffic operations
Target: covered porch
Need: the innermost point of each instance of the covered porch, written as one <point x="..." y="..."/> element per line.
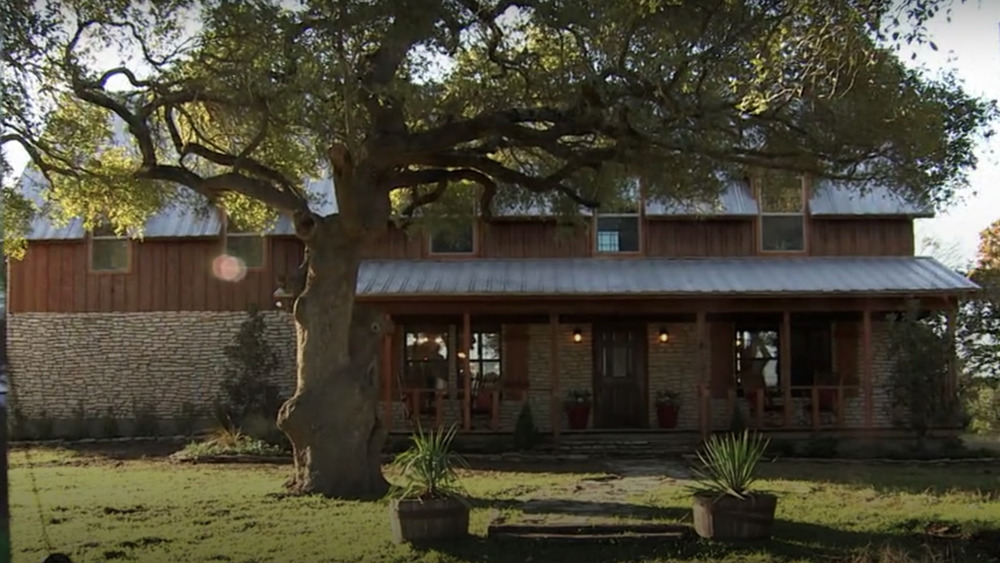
<point x="785" y="360"/>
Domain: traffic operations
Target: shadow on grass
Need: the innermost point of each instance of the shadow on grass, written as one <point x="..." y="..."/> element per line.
<point x="113" y="451"/>
<point x="892" y="478"/>
<point x="792" y="541"/>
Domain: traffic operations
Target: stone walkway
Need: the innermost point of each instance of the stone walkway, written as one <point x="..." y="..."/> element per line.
<point x="607" y="498"/>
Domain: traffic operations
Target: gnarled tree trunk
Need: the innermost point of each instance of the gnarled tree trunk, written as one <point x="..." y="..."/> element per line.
<point x="333" y="419"/>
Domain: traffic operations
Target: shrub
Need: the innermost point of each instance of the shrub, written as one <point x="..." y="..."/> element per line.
<point x="728" y="464"/>
<point x="247" y="390"/>
<point x="44" y="427"/>
<point x="147" y="424"/>
<point x="525" y="431"/>
<point x="428" y="467"/>
<point x="227" y="441"/>
<point x="79" y="427"/>
<point x="186" y="419"/>
<point x="109" y="423"/>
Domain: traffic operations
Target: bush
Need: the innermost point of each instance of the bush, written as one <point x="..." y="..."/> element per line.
<point x="186" y="419"/>
<point x="248" y="394"/>
<point x="146" y="422"/>
<point x="44" y="427"/>
<point x="226" y="441"/>
<point x="525" y="431"/>
<point x="109" y="424"/>
<point x="79" y="428"/>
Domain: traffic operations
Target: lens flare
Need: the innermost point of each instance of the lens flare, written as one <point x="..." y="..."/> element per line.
<point x="228" y="268"/>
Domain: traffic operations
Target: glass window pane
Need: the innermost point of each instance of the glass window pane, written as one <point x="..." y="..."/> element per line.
<point x="457" y="240"/>
<point x="489" y="345"/>
<point x="782" y="233"/>
<point x="490" y="371"/>
<point x="427" y="344"/>
<point x="109" y="255"/>
<point x="618" y="234"/>
<point x="248" y="248"/>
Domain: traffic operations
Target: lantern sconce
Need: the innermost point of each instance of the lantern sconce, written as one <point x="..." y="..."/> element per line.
<point x="664" y="335"/>
<point x="577" y="335"/>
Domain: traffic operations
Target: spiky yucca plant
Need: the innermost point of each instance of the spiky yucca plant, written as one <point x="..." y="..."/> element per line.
<point x="729" y="464"/>
<point x="428" y="467"/>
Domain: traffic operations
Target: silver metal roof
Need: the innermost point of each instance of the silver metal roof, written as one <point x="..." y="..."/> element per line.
<point x="736" y="200"/>
<point x="176" y="220"/>
<point x="660" y="277"/>
<point x="829" y="198"/>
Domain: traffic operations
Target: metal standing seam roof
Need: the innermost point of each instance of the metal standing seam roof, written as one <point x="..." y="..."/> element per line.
<point x="829" y="198"/>
<point x="659" y="277"/>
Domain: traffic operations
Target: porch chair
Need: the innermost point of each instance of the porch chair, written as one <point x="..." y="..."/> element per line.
<point x="754" y="386"/>
<point x="827" y="402"/>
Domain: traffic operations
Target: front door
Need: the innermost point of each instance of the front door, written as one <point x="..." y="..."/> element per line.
<point x="620" y="376"/>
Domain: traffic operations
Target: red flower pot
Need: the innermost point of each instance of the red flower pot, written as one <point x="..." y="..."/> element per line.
<point x="666" y="415"/>
<point x="578" y="415"/>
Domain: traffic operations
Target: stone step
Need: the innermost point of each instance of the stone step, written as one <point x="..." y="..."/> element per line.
<point x="587" y="532"/>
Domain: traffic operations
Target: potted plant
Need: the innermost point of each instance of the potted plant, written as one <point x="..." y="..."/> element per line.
<point x="667" y="408"/>
<point x="428" y="505"/>
<point x="725" y="505"/>
<point x="578" y="409"/>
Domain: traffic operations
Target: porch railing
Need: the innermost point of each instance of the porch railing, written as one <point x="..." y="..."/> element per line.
<point x="778" y="409"/>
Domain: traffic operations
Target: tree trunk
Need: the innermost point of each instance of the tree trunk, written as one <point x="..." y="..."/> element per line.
<point x="333" y="419"/>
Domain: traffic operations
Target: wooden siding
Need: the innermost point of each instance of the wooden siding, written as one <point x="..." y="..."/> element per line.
<point x="175" y="274"/>
<point x="861" y="237"/>
<point x="693" y="237"/>
<point x="167" y="275"/>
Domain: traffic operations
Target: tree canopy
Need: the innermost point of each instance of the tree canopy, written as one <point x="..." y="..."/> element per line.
<point x="441" y="101"/>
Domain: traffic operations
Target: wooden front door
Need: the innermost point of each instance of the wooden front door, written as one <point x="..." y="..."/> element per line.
<point x="620" y="376"/>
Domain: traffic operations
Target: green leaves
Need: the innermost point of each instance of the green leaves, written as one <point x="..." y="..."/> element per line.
<point x="729" y="463"/>
<point x="428" y="467"/>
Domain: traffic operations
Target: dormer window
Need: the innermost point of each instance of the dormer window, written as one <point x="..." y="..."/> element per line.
<point x="247" y="245"/>
<point x="782" y="201"/>
<point x="109" y="253"/>
<point x="458" y="239"/>
<point x="618" y="229"/>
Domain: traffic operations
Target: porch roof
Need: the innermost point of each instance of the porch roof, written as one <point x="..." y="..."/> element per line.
<point x="660" y="277"/>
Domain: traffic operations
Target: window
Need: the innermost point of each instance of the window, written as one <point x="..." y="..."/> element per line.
<point x="248" y="246"/>
<point x="782" y="213"/>
<point x="617" y="227"/>
<point x="108" y="251"/>
<point x="426" y="357"/>
<point x="758" y="357"/>
<point x="458" y="239"/>
<point x="484" y="358"/>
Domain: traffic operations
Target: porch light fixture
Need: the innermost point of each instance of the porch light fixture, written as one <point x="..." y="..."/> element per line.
<point x="577" y="335"/>
<point x="664" y="335"/>
<point x="282" y="298"/>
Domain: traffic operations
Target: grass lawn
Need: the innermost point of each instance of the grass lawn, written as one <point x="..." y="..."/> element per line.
<point x="111" y="506"/>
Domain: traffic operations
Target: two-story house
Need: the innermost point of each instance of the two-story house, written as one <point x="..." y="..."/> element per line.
<point x="770" y="301"/>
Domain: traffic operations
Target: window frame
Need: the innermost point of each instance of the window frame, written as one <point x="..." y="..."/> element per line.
<point x="597" y="234"/>
<point x="227" y="234"/>
<point x="802" y="213"/>
<point x="92" y="236"/>
<point x="477" y="383"/>
<point x="473" y="233"/>
<point x="811" y="326"/>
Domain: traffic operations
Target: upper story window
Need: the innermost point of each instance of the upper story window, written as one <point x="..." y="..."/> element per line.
<point x="458" y="239"/>
<point x="782" y="212"/>
<point x="618" y="229"/>
<point x="249" y="246"/>
<point x="109" y="253"/>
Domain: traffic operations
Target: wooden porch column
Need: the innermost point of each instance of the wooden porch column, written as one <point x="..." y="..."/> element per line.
<point x="866" y="363"/>
<point x="554" y="376"/>
<point x="951" y="385"/>
<point x="385" y="367"/>
<point x="785" y="358"/>
<point x="467" y="367"/>
<point x="704" y="377"/>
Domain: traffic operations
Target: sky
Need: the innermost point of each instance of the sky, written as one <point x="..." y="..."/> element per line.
<point x="970" y="44"/>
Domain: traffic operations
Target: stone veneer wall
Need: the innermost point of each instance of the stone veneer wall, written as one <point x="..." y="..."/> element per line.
<point x="61" y="362"/>
<point x="164" y="360"/>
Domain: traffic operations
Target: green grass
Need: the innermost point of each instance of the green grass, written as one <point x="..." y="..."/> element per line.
<point x="112" y="506"/>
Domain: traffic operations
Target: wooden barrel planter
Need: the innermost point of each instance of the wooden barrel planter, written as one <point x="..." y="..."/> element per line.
<point x="413" y="520"/>
<point x="728" y="518"/>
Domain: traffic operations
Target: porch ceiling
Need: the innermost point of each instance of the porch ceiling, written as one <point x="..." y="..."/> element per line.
<point x="661" y="277"/>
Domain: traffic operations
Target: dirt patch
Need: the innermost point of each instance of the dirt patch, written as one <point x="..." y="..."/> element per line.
<point x="984" y="541"/>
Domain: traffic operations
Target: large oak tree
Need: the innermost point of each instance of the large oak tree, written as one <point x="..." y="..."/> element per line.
<point x="448" y="106"/>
